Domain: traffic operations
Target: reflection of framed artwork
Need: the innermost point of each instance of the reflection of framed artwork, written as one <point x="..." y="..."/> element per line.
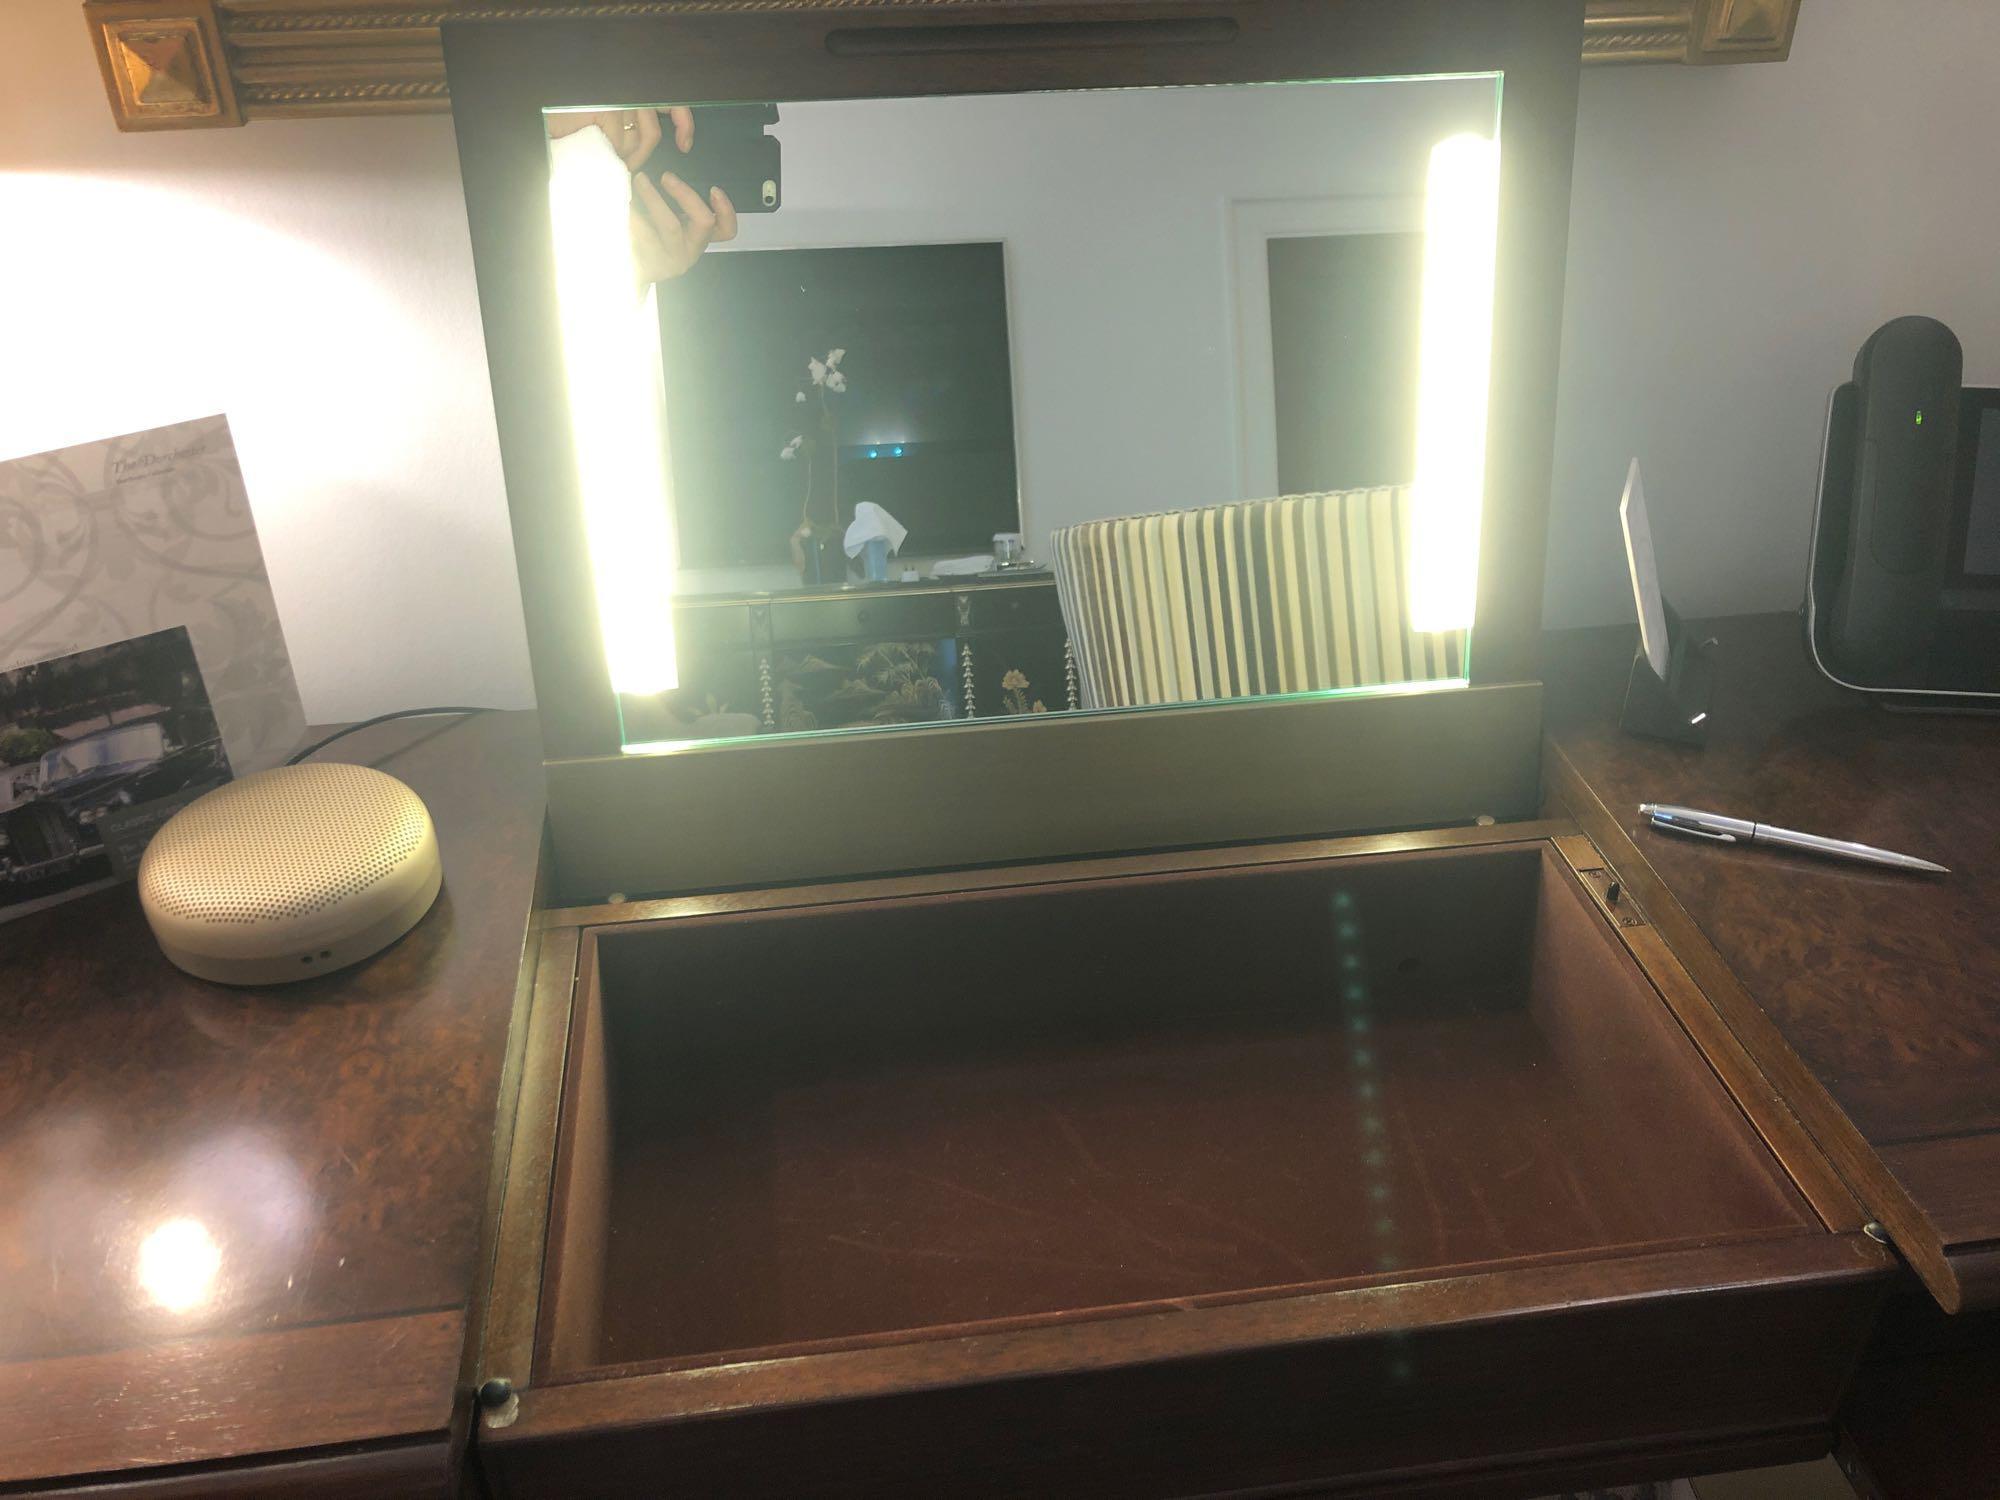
<point x="113" y="540"/>
<point x="97" y="750"/>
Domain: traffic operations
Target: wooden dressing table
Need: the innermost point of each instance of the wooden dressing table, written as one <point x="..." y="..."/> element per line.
<point x="369" y="1103"/>
<point x="1245" y="1096"/>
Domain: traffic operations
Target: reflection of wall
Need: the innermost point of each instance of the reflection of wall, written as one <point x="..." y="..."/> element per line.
<point x="1113" y="209"/>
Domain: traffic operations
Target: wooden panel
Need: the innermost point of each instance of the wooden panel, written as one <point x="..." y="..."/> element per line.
<point x="1041" y="788"/>
<point x="571" y="1328"/>
<point x="1779" y="1127"/>
<point x="1863" y="995"/>
<point x="402" y="1471"/>
<point x="1956" y="1181"/>
<point x="524" y="1203"/>
<point x="1923" y="1428"/>
<point x="1434" y="1382"/>
<point x="157" y="1404"/>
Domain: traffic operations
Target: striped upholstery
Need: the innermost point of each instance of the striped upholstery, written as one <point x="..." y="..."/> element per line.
<point x="1290" y="595"/>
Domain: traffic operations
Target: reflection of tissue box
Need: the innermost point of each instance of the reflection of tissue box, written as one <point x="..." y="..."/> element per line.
<point x="872" y="523"/>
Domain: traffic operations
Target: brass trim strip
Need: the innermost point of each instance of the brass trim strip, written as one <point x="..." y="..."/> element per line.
<point x="1691" y="1002"/>
<point x="513" y="1301"/>
<point x="1064" y="872"/>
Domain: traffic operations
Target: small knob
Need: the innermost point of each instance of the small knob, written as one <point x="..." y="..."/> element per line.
<point x="496" y="1393"/>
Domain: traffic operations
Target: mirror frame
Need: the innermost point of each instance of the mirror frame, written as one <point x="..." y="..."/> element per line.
<point x="1084" y="783"/>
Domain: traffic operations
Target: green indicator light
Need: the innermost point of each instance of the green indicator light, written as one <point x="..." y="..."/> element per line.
<point x="1920" y="419"/>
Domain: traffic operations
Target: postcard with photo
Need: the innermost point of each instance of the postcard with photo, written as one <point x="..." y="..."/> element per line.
<point x="97" y="750"/>
<point x="116" y="539"/>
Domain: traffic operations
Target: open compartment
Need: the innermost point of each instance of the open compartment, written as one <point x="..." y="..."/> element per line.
<point x="887" y="1121"/>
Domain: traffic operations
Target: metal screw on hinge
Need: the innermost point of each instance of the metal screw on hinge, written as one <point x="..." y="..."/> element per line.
<point x="499" y="1401"/>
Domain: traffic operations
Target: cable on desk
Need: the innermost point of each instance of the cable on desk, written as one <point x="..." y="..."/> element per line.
<point x="401" y="713"/>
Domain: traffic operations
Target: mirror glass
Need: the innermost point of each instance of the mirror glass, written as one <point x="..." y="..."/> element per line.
<point x="942" y="410"/>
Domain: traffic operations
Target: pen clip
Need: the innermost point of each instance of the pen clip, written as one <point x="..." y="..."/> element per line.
<point x="1701" y="833"/>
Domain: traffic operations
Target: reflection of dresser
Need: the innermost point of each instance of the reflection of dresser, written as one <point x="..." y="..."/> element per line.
<point x="885" y="653"/>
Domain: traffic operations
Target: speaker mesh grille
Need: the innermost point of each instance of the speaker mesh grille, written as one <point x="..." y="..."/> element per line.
<point x="282" y="844"/>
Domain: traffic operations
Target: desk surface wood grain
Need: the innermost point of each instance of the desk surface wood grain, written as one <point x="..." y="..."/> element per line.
<point x="253" y="1215"/>
<point x="1866" y="995"/>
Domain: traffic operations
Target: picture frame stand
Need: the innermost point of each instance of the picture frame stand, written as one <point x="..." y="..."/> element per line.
<point x="1677" y="707"/>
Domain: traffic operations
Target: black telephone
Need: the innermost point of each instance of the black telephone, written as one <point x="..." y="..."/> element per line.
<point x="1903" y="583"/>
<point x="732" y="150"/>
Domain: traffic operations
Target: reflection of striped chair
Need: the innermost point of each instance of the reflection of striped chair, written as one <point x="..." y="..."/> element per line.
<point x="1267" y="596"/>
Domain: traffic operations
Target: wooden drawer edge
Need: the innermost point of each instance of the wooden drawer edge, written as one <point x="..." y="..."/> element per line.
<point x="1789" y="1086"/>
<point x="1803" y="1261"/>
<point x="1621" y="904"/>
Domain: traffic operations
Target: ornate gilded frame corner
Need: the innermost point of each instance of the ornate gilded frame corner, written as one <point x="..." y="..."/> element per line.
<point x="1688" y="31"/>
<point x="294" y="59"/>
<point x="164" y="63"/>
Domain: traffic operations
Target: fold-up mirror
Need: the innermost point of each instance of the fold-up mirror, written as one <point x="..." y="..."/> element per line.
<point x="893" y="379"/>
<point x="940" y="409"/>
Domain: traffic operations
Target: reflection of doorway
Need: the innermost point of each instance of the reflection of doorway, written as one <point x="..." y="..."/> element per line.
<point x="1328" y="292"/>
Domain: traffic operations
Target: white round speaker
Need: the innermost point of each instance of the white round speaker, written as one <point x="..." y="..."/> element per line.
<point x="290" y="873"/>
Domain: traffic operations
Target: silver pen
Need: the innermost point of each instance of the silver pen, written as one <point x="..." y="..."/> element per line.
<point x="1726" y="830"/>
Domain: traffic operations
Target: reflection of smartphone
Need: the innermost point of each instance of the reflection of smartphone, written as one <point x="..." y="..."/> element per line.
<point x="731" y="151"/>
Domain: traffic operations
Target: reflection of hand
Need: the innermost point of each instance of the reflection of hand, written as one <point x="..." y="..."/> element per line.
<point x="669" y="236"/>
<point x="633" y="133"/>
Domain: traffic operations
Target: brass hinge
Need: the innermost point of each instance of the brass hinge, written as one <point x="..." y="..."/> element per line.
<point x="1606" y="889"/>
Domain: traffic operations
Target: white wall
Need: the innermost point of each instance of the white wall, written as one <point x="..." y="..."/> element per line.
<point x="1114" y="209"/>
<point x="313" y="280"/>
<point x="1736" y="233"/>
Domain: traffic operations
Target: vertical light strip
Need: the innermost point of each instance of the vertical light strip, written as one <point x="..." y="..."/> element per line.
<point x="1455" y="347"/>
<point x="611" y="362"/>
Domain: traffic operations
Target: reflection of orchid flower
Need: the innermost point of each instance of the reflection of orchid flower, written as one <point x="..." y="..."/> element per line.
<point x="826" y="372"/>
<point x="800" y="398"/>
<point x="791" y="450"/>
